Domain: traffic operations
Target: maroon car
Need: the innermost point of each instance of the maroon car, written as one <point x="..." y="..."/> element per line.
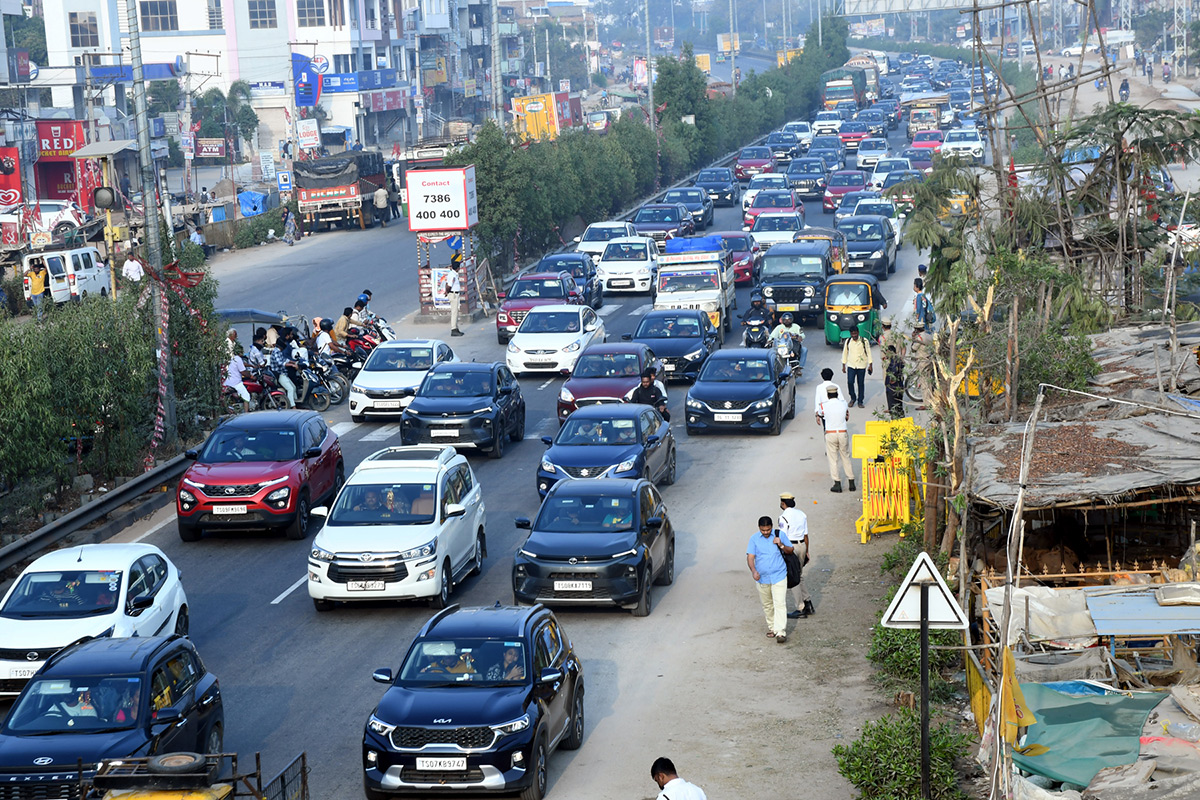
<point x="841" y="182"/>
<point x="260" y="471"/>
<point x="604" y="373"/>
<point x="533" y="289"/>
<point x="753" y="161"/>
<point x="747" y="255"/>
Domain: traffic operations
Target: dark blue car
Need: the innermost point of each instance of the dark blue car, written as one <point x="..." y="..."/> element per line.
<point x="721" y="185"/>
<point x="681" y="339"/>
<point x="698" y="203"/>
<point x="582" y="269"/>
<point x="743" y="389"/>
<point x="609" y="441"/>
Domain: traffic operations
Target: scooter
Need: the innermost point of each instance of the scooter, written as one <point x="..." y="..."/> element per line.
<point x="348" y="364"/>
<point x="310" y="391"/>
<point x="333" y="380"/>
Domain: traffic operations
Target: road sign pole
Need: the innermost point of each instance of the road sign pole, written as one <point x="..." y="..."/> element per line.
<point x="925" y="767"/>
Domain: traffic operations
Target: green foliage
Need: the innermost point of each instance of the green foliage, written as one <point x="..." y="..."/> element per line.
<point x="192" y="258"/>
<point x="27" y="33"/>
<point x="599" y="80"/>
<point x="244" y="237"/>
<point x="163" y="97"/>
<point x="14" y="292"/>
<point x="567" y="58"/>
<point x="885" y="762"/>
<point x="224" y="116"/>
<point x="174" y="154"/>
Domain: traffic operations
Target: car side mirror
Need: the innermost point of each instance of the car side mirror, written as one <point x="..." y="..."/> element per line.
<point x="652" y="438"/>
<point x="501" y="295"/>
<point x="577" y="239"/>
<point x="626" y="337"/>
<point x="550" y="675"/>
<point x="566" y="373"/>
<point x="383" y="675"/>
<point x="454" y="510"/>
<point x="320" y="511"/>
<point x="191" y="454"/>
<point x="312" y="452"/>
<point x="523" y="523"/>
<point x="546" y="440"/>
<point x="170" y="715"/>
<point x="654" y="522"/>
<point x="590" y="327"/>
<point x="506" y="390"/>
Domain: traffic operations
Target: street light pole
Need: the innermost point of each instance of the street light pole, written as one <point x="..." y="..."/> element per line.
<point x="649" y="67"/>
<point x="732" y="49"/>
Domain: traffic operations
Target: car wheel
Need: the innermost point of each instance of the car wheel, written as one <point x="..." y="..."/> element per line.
<point x="519" y="430"/>
<point x="669" y="477"/>
<point x="574" y="738"/>
<point x="777" y="425"/>
<point x="187" y="533"/>
<point x="176" y="764"/>
<point x="322" y="605"/>
<point x="667" y="577"/>
<point x="442" y="598"/>
<point x="792" y="408"/>
<point x="477" y="559"/>
<point x="498" y="438"/>
<point x="63" y="228"/>
<point x="642" y="609"/>
<point x="215" y="741"/>
<point x="299" y="528"/>
<point x="537" y="762"/>
<point x="339" y="480"/>
<point x="181" y="622"/>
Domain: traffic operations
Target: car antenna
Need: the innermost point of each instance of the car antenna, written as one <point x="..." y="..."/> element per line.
<point x="80" y="558"/>
<point x="497" y="605"/>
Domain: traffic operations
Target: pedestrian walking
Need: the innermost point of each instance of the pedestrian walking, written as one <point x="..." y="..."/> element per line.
<point x="132" y="270"/>
<point x="670" y="785"/>
<point x="794" y="523"/>
<point x="454" y="292"/>
<point x="893" y="379"/>
<point x="857" y="362"/>
<point x="823" y="392"/>
<point x="393" y="200"/>
<point x="39" y="286"/>
<point x="289" y="227"/>
<point x="922" y="306"/>
<point x="837" y="442"/>
<point x="764" y="556"/>
<point x="380" y="198"/>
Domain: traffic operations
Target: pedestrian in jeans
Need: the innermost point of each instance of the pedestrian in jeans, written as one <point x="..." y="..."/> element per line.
<point x="837" y="442"/>
<point x="922" y="306"/>
<point x="393" y="200"/>
<point x="38" y="287"/>
<point x="380" y="199"/>
<point x="856" y="364"/>
<point x="767" y="567"/>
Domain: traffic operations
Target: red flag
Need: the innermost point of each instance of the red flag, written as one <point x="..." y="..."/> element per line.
<point x="661" y="108"/>
<point x="1012" y="173"/>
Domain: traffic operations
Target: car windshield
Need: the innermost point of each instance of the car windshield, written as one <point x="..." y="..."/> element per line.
<point x="386" y="504"/>
<point x="848" y="294"/>
<point x="713" y="176"/>
<point x="807" y="167"/>
<point x="669" y="327"/>
<point x="854" y="127"/>
<point x="625" y="251"/>
<point x="890" y="165"/>
<point x="755" y="154"/>
<point x="767" y="182"/>
<point x="549" y="287"/>
<point x="89" y="704"/>
<point x="670" y="281"/>
<point x="66" y="593"/>
<point x="402" y="359"/>
<point x="585" y="514"/>
<point x="927" y="136"/>
<point x="607" y="365"/>
<point x="586" y="432"/>
<point x="772" y="200"/>
<point x="882" y="209"/>
<point x="827" y="142"/>
<point x="917" y="155"/>
<point x="595" y="234"/>
<point x="737" y="243"/>
<point x="232" y="444"/>
<point x="791" y="266"/>
<point x="847" y="179"/>
<point x="870" y="144"/>
<point x="788" y="222"/>
<point x="781" y="138"/>
<point x="684" y="196"/>
<point x="465" y="662"/>
<point x="962" y="136"/>
<point x="550" y="322"/>
<point x="656" y="215"/>
<point x="457" y="384"/>
<point x="736" y="370"/>
<point x="862" y="231"/>
<point x="895" y="178"/>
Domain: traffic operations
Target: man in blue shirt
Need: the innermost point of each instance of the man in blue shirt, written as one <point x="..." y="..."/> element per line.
<point x="765" y="559"/>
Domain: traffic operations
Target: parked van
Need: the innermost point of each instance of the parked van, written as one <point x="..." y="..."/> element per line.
<point x="71" y="274"/>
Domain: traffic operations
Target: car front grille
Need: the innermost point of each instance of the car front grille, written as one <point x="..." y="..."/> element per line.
<point x="249" y="518"/>
<point x="791" y="294"/>
<point x="28" y="653"/>
<point x="728" y="405"/>
<point x="237" y="490"/>
<point x="473" y="738"/>
<point x="517" y="316"/>
<point x="473" y="775"/>
<point x="595" y="401"/>
<point x="585" y="472"/>
<point x="344" y="572"/>
<point x="383" y="394"/>
<point x="12" y="685"/>
<point x="12" y="787"/>
<point x="658" y="236"/>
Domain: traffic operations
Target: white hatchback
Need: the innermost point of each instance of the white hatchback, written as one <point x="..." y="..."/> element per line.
<point x="628" y="264"/>
<point x="389" y="379"/>
<point x="551" y="338"/>
<point x="90" y="590"/>
<point x="599" y="234"/>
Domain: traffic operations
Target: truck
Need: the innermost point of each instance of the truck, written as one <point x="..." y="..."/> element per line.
<point x="782" y="57"/>
<point x="843" y="83"/>
<point x="192" y="776"/>
<point x="336" y="190"/>
<point x="697" y="272"/>
<point x="703" y="63"/>
<point x="723" y="44"/>
<point x="927" y="111"/>
<point x="545" y="116"/>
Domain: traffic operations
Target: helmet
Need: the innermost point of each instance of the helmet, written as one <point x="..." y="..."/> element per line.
<point x="786" y="319"/>
<point x="364" y="299"/>
<point x="756" y="297"/>
<point x="289" y="332"/>
<point x="326" y="324"/>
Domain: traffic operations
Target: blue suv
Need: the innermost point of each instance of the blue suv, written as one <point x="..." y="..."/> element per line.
<point x="481" y="700"/>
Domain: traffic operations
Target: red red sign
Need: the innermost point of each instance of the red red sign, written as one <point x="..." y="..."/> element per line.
<point x="210" y="148"/>
<point x="59" y="139"/>
<point x="10" y="176"/>
<point x="56" y="180"/>
<point x="388" y="100"/>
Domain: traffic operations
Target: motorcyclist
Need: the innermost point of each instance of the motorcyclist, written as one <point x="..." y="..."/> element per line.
<point x="648" y="394"/>
<point x="324" y="343"/>
<point x="758" y="311"/>
<point x="1124" y="90"/>
<point x="284" y="365"/>
<point x="787" y="327"/>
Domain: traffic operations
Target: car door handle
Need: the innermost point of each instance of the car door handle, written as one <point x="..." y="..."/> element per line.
<point x="207" y="700"/>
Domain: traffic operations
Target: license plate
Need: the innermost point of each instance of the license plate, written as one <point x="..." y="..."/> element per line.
<point x="727" y="417"/>
<point x="451" y="432"/>
<point x="381" y="404"/>
<point x="856" y="264"/>
<point x="229" y="509"/>
<point x="22" y="673"/>
<point x="620" y="283"/>
<point x="789" y="307"/>
<point x="572" y="586"/>
<point x="364" y="586"/>
<point x="668" y="367"/>
<point x="442" y="763"/>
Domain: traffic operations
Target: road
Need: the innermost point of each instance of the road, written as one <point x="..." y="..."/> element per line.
<point x="696" y="680"/>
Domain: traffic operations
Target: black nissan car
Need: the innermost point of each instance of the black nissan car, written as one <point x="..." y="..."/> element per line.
<point x="480" y="701"/>
<point x="743" y="389"/>
<point x="466" y="405"/>
<point x="598" y="542"/>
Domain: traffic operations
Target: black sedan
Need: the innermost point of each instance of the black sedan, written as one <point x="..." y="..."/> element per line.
<point x="466" y="405"/>
<point x="681" y="338"/>
<point x="784" y="146"/>
<point x="596" y="543"/>
<point x="741" y="389"/>
<point x="721" y="185"/>
<point x="870" y="244"/>
<point x="609" y="441"/>
<point x="582" y="269"/>
<point x="697" y="202"/>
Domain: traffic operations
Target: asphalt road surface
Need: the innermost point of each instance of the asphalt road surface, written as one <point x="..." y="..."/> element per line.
<point x="697" y="680"/>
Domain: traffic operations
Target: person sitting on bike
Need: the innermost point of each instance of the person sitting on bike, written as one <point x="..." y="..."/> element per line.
<point x="1124" y="89"/>
<point x="648" y="394"/>
<point x="757" y="311"/>
<point x="324" y="344"/>
<point x="787" y="327"/>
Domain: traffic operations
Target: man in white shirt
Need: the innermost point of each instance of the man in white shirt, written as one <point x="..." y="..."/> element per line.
<point x="233" y="376"/>
<point x="794" y="523"/>
<point x="453" y="292"/>
<point x="823" y="392"/>
<point x="133" y="270"/>
<point x="836" y="414"/>
<point x="671" y="786"/>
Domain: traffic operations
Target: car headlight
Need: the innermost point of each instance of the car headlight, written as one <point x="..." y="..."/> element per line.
<point x="321" y="554"/>
<point x="565" y="395"/>
<point x="527" y="554"/>
<point x="548" y="465"/>
<point x="380" y="727"/>
<point x="692" y="356"/>
<point x="690" y="403"/>
<point x="186" y="496"/>
<point x="427" y="549"/>
<point x="745" y="262"/>
<point x="768" y="291"/>
<point x="356" y="389"/>
<point x="512" y="348"/>
<point x="279" y="497"/>
<point x="643" y="271"/>
<point x="516" y="726"/>
<point x="833" y="317"/>
<point x="626" y="465"/>
<point x="481" y="410"/>
<point x="571" y="348"/>
<point x="877" y="254"/>
<point x="633" y="552"/>
<point x="502" y="316"/>
<point x="761" y="404"/>
<point x="192" y="483"/>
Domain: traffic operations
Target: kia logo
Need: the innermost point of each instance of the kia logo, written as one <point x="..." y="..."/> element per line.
<point x="43" y="761"/>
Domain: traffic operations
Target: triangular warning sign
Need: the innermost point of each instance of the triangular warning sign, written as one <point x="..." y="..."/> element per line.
<point x="905" y="610"/>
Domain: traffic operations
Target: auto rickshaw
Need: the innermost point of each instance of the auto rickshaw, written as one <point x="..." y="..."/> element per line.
<point x="835" y="237"/>
<point x="958" y="204"/>
<point x="852" y="300"/>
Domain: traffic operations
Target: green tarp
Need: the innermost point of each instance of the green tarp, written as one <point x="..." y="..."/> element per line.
<point x="1083" y="734"/>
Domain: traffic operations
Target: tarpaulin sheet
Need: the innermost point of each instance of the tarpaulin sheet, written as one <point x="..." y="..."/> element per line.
<point x="695" y="244"/>
<point x="1083" y="734"/>
<point x="325" y="173"/>
<point x="1058" y="616"/>
<point x="252" y="203"/>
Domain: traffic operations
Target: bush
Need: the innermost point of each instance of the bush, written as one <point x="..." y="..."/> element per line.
<point x="884" y="763"/>
<point x="244" y="237"/>
<point x="14" y="294"/>
<point x="192" y="258"/>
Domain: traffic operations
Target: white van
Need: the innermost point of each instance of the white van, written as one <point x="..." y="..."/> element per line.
<point x="71" y="274"/>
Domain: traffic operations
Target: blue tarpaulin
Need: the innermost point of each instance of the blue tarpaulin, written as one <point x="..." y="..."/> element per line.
<point x="252" y="203"/>
<point x="696" y="244"/>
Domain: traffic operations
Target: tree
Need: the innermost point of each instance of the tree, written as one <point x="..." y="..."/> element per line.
<point x="502" y="184"/>
<point x="164" y="96"/>
<point x="27" y="33"/>
<point x="226" y="116"/>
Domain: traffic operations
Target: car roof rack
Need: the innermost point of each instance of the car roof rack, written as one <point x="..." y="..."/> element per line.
<point x="409" y="455"/>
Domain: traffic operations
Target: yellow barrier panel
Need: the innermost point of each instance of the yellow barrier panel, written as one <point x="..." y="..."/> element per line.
<point x="892" y="489"/>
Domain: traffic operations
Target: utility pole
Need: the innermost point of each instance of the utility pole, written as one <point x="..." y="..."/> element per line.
<point x="497" y="86"/>
<point x="87" y="98"/>
<point x="549" y="80"/>
<point x="732" y="50"/>
<point x="188" y="190"/>
<point x="166" y="381"/>
<point x="820" y="12"/>
<point x="649" y="67"/>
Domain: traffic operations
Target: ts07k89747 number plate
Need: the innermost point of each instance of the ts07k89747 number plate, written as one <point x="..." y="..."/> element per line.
<point x="442" y="763"/>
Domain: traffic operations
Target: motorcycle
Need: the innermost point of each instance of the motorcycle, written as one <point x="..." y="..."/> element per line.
<point x="336" y="383"/>
<point x="360" y="342"/>
<point x="1124" y="95"/>
<point x="348" y="364"/>
<point x="310" y="391"/>
<point x="792" y="350"/>
<point x="264" y="391"/>
<point x="757" y="330"/>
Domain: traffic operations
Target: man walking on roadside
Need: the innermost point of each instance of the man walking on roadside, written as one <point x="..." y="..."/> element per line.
<point x="764" y="556"/>
<point x="794" y="523"/>
<point x="380" y="199"/>
<point x="671" y="786"/>
<point x="837" y="443"/>
<point x="454" y="292"/>
<point x="823" y="392"/>
<point x="856" y="362"/>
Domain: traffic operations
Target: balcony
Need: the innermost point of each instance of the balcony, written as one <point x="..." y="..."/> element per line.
<point x="509" y="29"/>
<point x="478" y="38"/>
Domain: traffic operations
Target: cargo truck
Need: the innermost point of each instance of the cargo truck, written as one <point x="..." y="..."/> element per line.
<point x="337" y="190"/>
<point x="698" y="273"/>
<point x="870" y="73"/>
<point x="704" y="63"/>
<point x="545" y="116"/>
<point x="843" y="83"/>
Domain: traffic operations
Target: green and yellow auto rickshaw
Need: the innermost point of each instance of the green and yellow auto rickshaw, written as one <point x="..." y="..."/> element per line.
<point x="852" y="300"/>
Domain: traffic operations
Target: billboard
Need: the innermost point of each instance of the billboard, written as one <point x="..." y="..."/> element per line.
<point x="10" y="176"/>
<point x="442" y="199"/>
<point x="210" y="148"/>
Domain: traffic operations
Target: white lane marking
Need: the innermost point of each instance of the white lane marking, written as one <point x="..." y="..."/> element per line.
<point x="152" y="531"/>
<point x="382" y="434"/>
<point x="637" y="312"/>
<point x="547" y="383"/>
<point x="283" y="595"/>
<point x="342" y="428"/>
<point x="608" y="309"/>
